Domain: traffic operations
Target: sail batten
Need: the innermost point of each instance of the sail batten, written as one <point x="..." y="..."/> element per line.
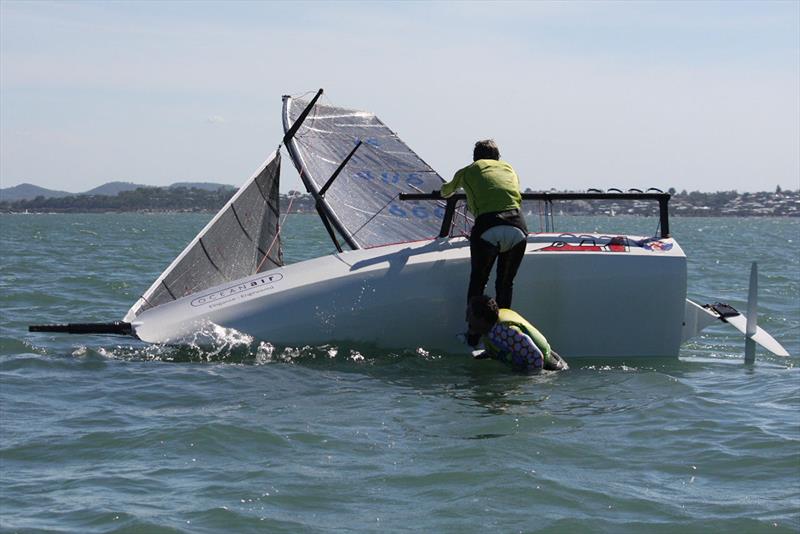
<point x="372" y="179"/>
<point x="229" y="247"/>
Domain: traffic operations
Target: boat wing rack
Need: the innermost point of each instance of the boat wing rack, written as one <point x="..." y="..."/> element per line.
<point x="450" y="208"/>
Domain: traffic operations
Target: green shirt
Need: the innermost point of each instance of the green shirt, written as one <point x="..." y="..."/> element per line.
<point x="490" y="185"/>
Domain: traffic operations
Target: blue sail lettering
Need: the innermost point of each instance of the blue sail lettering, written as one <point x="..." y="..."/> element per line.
<point x="414" y="179"/>
<point x="390" y="178"/>
<point x="420" y="212"/>
<point x="397" y="211"/>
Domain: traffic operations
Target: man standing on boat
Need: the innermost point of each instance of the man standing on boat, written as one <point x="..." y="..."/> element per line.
<point x="499" y="232"/>
<point x="511" y="339"/>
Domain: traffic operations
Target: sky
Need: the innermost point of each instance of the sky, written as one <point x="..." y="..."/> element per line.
<point x="692" y="95"/>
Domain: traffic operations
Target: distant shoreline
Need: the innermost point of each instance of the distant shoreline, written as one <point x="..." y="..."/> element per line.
<point x="294" y="212"/>
<point x="195" y="200"/>
<point x="101" y="211"/>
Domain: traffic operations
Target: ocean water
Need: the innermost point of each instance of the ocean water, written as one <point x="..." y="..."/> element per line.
<point x="105" y="434"/>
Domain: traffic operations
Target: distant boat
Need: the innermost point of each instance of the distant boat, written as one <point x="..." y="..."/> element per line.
<point x="399" y="276"/>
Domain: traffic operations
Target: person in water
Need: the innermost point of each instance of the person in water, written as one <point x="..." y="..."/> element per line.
<point x="499" y="232"/>
<point x="509" y="338"/>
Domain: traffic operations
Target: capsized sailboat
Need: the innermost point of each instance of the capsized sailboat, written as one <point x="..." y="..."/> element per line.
<point x="399" y="275"/>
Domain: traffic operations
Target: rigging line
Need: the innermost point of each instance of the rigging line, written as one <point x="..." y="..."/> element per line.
<point x="298" y="96"/>
<point x="547" y="216"/>
<point x="313" y="118"/>
<point x="266" y="199"/>
<point x="273" y="209"/>
<point x="277" y="234"/>
<point x="295" y="128"/>
<point x="376" y="214"/>
<point x="541" y="218"/>
<point x="548" y="213"/>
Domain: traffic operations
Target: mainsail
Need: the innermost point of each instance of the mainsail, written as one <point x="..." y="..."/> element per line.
<point x="356" y="168"/>
<point x="242" y="239"/>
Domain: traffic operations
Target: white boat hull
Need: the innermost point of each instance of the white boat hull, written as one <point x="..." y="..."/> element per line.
<point x="588" y="298"/>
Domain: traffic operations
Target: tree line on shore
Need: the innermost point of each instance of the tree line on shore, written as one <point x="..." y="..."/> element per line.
<point x="779" y="203"/>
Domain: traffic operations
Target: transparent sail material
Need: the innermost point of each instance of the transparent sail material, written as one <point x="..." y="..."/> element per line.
<point x="241" y="240"/>
<point x="362" y="202"/>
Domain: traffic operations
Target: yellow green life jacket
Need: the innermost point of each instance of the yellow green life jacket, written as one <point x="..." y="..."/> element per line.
<point x="518" y="322"/>
<point x="490" y="185"/>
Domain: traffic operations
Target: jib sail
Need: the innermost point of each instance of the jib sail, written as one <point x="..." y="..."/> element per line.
<point x="356" y="167"/>
<point x="242" y="239"/>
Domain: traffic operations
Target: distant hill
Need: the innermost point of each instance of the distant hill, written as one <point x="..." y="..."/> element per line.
<point x="181" y="198"/>
<point x="206" y="186"/>
<point x="113" y="188"/>
<point x="28" y="192"/>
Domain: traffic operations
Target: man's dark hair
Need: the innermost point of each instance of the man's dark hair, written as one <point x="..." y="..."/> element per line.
<point x="484" y="308"/>
<point x="486" y="149"/>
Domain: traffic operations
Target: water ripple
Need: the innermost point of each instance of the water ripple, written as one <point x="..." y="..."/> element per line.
<point x="101" y="434"/>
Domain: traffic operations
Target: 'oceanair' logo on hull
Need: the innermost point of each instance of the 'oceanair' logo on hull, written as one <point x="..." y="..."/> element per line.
<point x="238" y="288"/>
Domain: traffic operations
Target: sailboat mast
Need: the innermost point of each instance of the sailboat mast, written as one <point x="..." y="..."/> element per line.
<point x="322" y="208"/>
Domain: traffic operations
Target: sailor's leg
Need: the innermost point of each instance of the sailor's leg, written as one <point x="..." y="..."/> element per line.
<point x="482" y="256"/>
<point x="507" y="266"/>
